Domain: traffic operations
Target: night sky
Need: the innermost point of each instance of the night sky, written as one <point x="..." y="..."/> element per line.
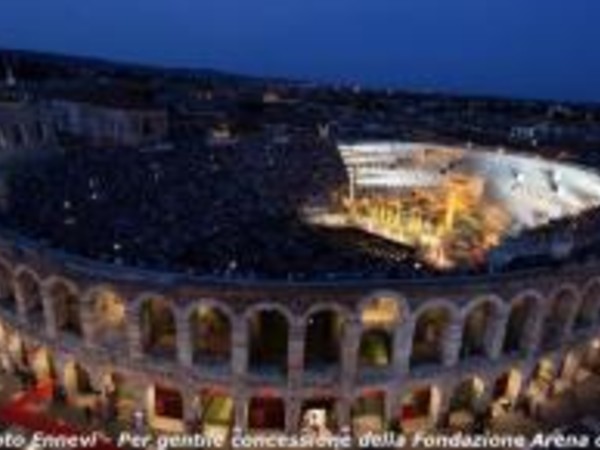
<point x="526" y="48"/>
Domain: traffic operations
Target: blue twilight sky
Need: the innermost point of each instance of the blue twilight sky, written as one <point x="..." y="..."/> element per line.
<point x="528" y="48"/>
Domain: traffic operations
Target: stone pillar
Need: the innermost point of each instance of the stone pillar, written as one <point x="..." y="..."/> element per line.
<point x="88" y="323"/>
<point x="391" y="406"/>
<point x="350" y="349"/>
<point x="292" y="414"/>
<point x="403" y="342"/>
<point x="240" y="410"/>
<point x="296" y="340"/>
<point x="453" y="341"/>
<point x="497" y="334"/>
<point x="344" y="412"/>
<point x="240" y="350"/>
<point x="533" y="333"/>
<point x="143" y="405"/>
<point x="239" y="366"/>
<point x="50" y="316"/>
<point x="191" y="409"/>
<point x="21" y="306"/>
<point x="569" y="325"/>
<point x="439" y="407"/>
<point x="134" y="334"/>
<point x="184" y="340"/>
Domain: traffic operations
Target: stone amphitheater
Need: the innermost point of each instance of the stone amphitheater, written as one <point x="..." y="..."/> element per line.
<point x="187" y="352"/>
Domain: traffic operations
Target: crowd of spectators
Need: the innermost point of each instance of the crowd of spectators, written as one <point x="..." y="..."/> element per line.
<point x="228" y="211"/>
<point x="219" y="211"/>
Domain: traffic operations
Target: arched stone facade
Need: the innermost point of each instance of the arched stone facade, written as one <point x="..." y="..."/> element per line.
<point x="217" y="356"/>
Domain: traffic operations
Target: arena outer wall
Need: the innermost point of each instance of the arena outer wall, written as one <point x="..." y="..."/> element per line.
<point x="564" y="303"/>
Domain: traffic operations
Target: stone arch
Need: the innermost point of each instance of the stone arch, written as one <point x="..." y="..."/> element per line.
<point x="210" y="333"/>
<point x="158" y="327"/>
<point x="222" y="306"/>
<point x="29" y="287"/>
<point x="7" y="291"/>
<point x="525" y="311"/>
<point x="138" y="301"/>
<point x="325" y="326"/>
<point x="64" y="300"/>
<point x="480" y="325"/>
<point x="432" y="322"/>
<point x="339" y="309"/>
<point x="108" y="314"/>
<point x="268" y="337"/>
<point x="560" y="313"/>
<point x="483" y="300"/>
<point x="438" y="303"/>
<point x="383" y="309"/>
<point x="266" y="306"/>
<point x="380" y="317"/>
<point x="589" y="307"/>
